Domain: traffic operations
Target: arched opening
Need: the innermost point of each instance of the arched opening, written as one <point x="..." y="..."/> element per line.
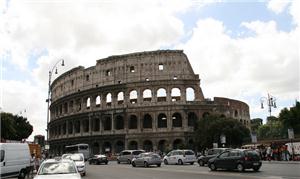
<point x="133" y="96"/>
<point x="190" y="94"/>
<point x="119" y="146"/>
<point x="147" y="121"/>
<point x="177" y="120"/>
<point x="162" y="145"/>
<point x="178" y="144"/>
<point x="119" y="122"/>
<point x="205" y="114"/>
<point x="147" y="95"/>
<point x="96" y="125"/>
<point x="120" y="98"/>
<point x="106" y="147"/>
<point x="98" y="101"/>
<point x="77" y="127"/>
<point x="132" y="69"/>
<point x="96" y="148"/>
<point x="162" y="121"/>
<point x="107" y="123"/>
<point x="236" y="113"/>
<point x="85" y="125"/>
<point x="191" y="144"/>
<point x="132" y="122"/>
<point x="133" y="145"/>
<point x="161" y="95"/>
<point x="70" y="128"/>
<point x="108" y="99"/>
<point x="192" y="119"/>
<point x="64" y="128"/>
<point x="147" y="146"/>
<point x="88" y="103"/>
<point x="175" y="94"/>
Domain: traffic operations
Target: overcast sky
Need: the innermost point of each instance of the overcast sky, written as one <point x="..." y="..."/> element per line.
<point x="241" y="50"/>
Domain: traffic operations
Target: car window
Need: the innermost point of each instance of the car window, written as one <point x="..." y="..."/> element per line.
<point x="57" y="168"/>
<point x="126" y="153"/>
<point x="234" y="153"/>
<point x="252" y="154"/>
<point x="224" y="155"/>
<point x="137" y="152"/>
<point x="74" y="157"/>
<point x="2" y="155"/>
<point x="189" y="152"/>
<point x="84" y="147"/>
<point x="210" y="152"/>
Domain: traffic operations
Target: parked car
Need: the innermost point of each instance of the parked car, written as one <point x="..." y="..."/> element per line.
<point x="52" y="168"/>
<point x="15" y="160"/>
<point x="78" y="158"/>
<point x="98" y="159"/>
<point x="180" y="157"/>
<point x="239" y="159"/>
<point x="146" y="159"/>
<point x="211" y="153"/>
<point x="126" y="156"/>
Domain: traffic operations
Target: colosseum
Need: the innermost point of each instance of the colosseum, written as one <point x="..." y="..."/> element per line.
<point x="146" y="100"/>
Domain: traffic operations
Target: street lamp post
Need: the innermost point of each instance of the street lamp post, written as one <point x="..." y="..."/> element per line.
<point x="271" y="102"/>
<point x="49" y="92"/>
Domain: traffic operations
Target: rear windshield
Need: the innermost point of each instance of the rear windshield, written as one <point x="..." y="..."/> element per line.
<point x="137" y="152"/>
<point x="57" y="168"/>
<point x="189" y="152"/>
<point x="252" y="154"/>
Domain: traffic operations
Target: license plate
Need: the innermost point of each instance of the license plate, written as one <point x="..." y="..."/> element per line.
<point x="255" y="164"/>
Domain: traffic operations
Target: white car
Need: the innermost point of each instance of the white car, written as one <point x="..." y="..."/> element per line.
<point x="52" y="168"/>
<point x="180" y="157"/>
<point x="78" y="158"/>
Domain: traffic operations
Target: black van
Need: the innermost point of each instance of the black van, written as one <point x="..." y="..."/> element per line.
<point x="239" y="159"/>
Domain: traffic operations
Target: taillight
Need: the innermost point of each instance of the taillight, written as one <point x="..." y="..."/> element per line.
<point x="246" y="158"/>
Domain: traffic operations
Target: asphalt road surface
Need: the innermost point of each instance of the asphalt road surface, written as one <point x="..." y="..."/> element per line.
<point x="126" y="171"/>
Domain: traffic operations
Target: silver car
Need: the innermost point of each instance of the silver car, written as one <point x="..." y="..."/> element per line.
<point x="78" y="158"/>
<point x="146" y="159"/>
<point x="52" y="168"/>
<point x="127" y="155"/>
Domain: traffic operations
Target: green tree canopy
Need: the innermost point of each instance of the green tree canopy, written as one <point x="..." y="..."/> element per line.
<point x="255" y="123"/>
<point x="290" y="118"/>
<point x="211" y="127"/>
<point x="14" y="127"/>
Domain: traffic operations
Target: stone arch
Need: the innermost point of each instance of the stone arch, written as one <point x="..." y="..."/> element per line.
<point x="119" y="122"/>
<point x="96" y="124"/>
<point x="236" y="113"/>
<point x="147" y="95"/>
<point x="190" y="94"/>
<point x="96" y="148"/>
<point x="205" y="114"/>
<point x="192" y="119"/>
<point x="70" y="128"/>
<point x="106" y="147"/>
<point x="133" y="145"/>
<point x="120" y="97"/>
<point x="77" y="126"/>
<point x="85" y="124"/>
<point x="162" y="145"/>
<point x="176" y="120"/>
<point x="119" y="146"/>
<point x="133" y="97"/>
<point x="132" y="122"/>
<point x="175" y="94"/>
<point x="161" y="95"/>
<point x="177" y="144"/>
<point x="107" y="123"/>
<point x="162" y="121"/>
<point x="88" y="103"/>
<point x="147" y="121"/>
<point x="108" y="99"/>
<point x="148" y="146"/>
<point x="98" y="101"/>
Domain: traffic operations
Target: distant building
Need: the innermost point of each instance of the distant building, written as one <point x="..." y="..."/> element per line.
<point x="39" y="139"/>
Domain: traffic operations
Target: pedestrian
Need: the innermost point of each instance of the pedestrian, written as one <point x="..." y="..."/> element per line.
<point x="37" y="164"/>
<point x="32" y="161"/>
<point x="269" y="153"/>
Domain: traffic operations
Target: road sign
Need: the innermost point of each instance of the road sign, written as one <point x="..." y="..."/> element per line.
<point x="291" y="133"/>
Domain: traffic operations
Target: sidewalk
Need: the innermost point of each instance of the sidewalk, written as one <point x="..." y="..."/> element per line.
<point x="281" y="162"/>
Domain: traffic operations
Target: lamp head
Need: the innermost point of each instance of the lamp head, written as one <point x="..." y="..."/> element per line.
<point x="55" y="70"/>
<point x="62" y="62"/>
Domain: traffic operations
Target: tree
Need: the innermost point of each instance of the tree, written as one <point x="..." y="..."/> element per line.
<point x="14" y="127"/>
<point x="211" y="127"/>
<point x="273" y="129"/>
<point x="291" y="118"/>
<point x="255" y="123"/>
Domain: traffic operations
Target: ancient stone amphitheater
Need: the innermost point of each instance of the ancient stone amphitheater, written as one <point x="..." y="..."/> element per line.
<point x="146" y="100"/>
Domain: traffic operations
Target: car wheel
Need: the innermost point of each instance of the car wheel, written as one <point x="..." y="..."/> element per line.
<point x="201" y="163"/>
<point x="240" y="167"/>
<point x="106" y="162"/>
<point x="212" y="167"/>
<point x="118" y="161"/>
<point x="22" y="174"/>
<point x="129" y="161"/>
<point x="192" y="163"/>
<point x="90" y="162"/>
<point x="84" y="174"/>
<point x="180" y="162"/>
<point x="146" y="164"/>
<point x="133" y="164"/>
<point x="166" y="162"/>
<point x="158" y="165"/>
<point x="256" y="168"/>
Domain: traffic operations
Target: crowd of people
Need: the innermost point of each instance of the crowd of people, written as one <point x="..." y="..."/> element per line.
<point x="275" y="152"/>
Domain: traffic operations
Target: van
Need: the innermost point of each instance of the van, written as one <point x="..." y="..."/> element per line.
<point x="126" y="156"/>
<point x="15" y="160"/>
<point x="180" y="157"/>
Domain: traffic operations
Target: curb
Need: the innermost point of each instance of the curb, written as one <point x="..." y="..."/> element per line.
<point x="281" y="162"/>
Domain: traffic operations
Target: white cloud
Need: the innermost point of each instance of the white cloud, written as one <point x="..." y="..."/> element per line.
<point x="278" y="6"/>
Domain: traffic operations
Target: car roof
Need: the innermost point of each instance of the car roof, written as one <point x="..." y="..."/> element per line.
<point x="57" y="161"/>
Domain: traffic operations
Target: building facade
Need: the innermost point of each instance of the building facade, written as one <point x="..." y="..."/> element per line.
<point x="146" y="100"/>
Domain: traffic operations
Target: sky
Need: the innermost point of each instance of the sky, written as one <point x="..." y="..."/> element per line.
<point x="243" y="50"/>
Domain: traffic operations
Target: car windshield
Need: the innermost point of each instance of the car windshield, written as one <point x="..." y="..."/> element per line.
<point x="57" y="168"/>
<point x="74" y="157"/>
<point x="189" y="152"/>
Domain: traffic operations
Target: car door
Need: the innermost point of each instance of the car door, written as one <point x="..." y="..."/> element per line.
<point x="172" y="158"/>
<point x="234" y="156"/>
<point x="221" y="160"/>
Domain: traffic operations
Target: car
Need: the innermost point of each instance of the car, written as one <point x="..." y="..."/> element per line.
<point x="98" y="159"/>
<point x="126" y="156"/>
<point x="239" y="159"/>
<point x="52" y="168"/>
<point x="180" y="157"/>
<point x="78" y="158"/>
<point x="146" y="159"/>
<point x="211" y="153"/>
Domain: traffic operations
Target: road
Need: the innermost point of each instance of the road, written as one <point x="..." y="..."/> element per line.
<point x="125" y="171"/>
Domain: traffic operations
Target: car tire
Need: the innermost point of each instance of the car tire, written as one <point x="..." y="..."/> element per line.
<point x="158" y="165"/>
<point x="84" y="174"/>
<point x="180" y="162"/>
<point x="212" y="167"/>
<point x="240" y="167"/>
<point x="192" y="163"/>
<point x="146" y="164"/>
<point x="22" y="174"/>
<point x="133" y="164"/>
<point x="106" y="162"/>
<point x="166" y="162"/>
<point x="256" y="169"/>
<point x="118" y="161"/>
<point x="129" y="161"/>
<point x="201" y="163"/>
<point x="90" y="162"/>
